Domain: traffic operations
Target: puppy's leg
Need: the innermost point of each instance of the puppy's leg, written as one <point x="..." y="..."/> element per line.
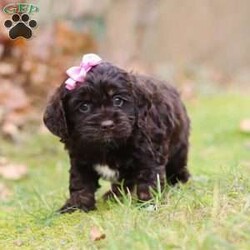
<point x="147" y="179"/>
<point x="83" y="184"/>
<point x="176" y="168"/>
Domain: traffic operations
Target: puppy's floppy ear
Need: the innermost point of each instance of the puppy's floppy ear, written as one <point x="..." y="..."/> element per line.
<point x="54" y="115"/>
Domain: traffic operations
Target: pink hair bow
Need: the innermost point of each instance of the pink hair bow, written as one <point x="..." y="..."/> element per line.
<point x="78" y="73"/>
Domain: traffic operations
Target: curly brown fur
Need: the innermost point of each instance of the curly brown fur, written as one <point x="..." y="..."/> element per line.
<point x="134" y="124"/>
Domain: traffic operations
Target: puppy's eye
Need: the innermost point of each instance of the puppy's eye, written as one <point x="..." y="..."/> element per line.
<point x="84" y="108"/>
<point x="117" y="101"/>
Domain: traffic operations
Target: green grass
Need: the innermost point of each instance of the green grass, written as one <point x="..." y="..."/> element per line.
<point x="210" y="212"/>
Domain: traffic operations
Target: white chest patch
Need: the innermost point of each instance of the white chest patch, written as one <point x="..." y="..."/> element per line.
<point x="107" y="173"/>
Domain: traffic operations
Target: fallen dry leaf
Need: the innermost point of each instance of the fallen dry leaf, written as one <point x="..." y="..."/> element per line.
<point x="3" y="161"/>
<point x="10" y="130"/>
<point x="245" y="126"/>
<point x="247" y="144"/>
<point x="18" y="243"/>
<point x="96" y="234"/>
<point x="4" y="192"/>
<point x="13" y="171"/>
<point x="7" y="69"/>
<point x="13" y="97"/>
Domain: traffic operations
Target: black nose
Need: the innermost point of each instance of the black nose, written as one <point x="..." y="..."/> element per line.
<point x="107" y="125"/>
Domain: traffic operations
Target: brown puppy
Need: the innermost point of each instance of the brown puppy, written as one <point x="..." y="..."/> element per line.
<point x="122" y="127"/>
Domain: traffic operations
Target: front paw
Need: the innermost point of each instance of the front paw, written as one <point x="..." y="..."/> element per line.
<point x="69" y="207"/>
<point x="78" y="201"/>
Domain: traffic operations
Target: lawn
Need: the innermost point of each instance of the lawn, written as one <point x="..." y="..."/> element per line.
<point x="212" y="211"/>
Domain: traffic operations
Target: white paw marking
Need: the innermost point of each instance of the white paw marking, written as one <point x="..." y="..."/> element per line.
<point x="107" y="173"/>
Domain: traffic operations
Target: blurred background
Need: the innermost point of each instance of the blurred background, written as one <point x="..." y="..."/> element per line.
<point x="202" y="47"/>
